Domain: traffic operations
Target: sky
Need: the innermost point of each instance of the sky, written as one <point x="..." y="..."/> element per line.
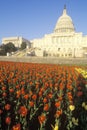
<point x="34" y="18"/>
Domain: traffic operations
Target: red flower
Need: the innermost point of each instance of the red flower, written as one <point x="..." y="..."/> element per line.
<point x="4" y="94"/>
<point x="16" y="127"/>
<point x="80" y="93"/>
<point x="11" y="90"/>
<point x="23" y="111"/>
<point x="7" y="107"/>
<point x="3" y="88"/>
<point x="8" y="120"/>
<point x="1" y="111"/>
<point x="79" y="88"/>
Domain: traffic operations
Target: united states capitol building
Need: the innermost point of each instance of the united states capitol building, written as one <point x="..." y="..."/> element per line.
<point x="63" y="42"/>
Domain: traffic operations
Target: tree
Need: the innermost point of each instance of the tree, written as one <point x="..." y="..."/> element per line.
<point x="2" y="52"/>
<point x="23" y="45"/>
<point x="9" y="47"/>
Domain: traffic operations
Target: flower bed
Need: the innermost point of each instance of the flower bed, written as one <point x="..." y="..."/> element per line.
<point x="42" y="97"/>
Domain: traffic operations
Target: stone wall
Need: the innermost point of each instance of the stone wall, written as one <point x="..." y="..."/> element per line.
<point x="46" y="60"/>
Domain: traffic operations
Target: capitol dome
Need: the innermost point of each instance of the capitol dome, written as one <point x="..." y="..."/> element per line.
<point x="64" y="23"/>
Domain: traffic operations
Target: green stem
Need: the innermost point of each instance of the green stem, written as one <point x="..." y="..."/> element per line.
<point x="8" y="127"/>
<point x="0" y="124"/>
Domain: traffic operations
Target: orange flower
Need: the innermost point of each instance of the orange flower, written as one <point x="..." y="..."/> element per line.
<point x="16" y="127"/>
<point x="51" y="85"/>
<point x="17" y="86"/>
<point x="22" y="91"/>
<point x="57" y="104"/>
<point x="46" y="107"/>
<point x="50" y="95"/>
<point x="61" y="86"/>
<point x="41" y="118"/>
<point x="18" y="93"/>
<point x="23" y="111"/>
<point x="37" y="86"/>
<point x="34" y="97"/>
<point x="60" y="98"/>
<point x="31" y="103"/>
<point x="45" y="100"/>
<point x="69" y="94"/>
<point x="69" y="87"/>
<point x="31" y="83"/>
<point x="30" y="93"/>
<point x="22" y="82"/>
<point x="26" y="96"/>
<point x="7" y="107"/>
<point x="58" y="113"/>
<point x="70" y="97"/>
<point x="46" y="85"/>
<point x="40" y="93"/>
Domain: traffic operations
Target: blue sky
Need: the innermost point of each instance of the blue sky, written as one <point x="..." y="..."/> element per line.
<point x="35" y="18"/>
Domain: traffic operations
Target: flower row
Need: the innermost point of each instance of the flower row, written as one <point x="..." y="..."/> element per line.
<point x="42" y="97"/>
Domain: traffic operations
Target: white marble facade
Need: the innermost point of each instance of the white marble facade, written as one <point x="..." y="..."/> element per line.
<point x="17" y="41"/>
<point x="64" y="41"/>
